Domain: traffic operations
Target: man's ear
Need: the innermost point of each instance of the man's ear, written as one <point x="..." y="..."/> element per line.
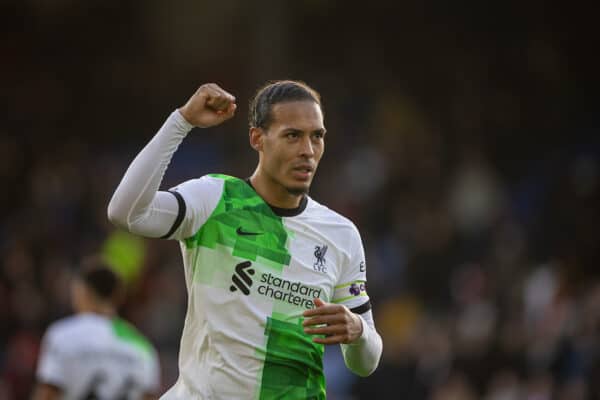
<point x="256" y="138"/>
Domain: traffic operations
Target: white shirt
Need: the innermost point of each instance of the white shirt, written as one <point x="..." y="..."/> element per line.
<point x="91" y="354"/>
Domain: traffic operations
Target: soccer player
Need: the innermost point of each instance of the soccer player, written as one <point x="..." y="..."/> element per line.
<point x="94" y="354"/>
<point x="271" y="274"/>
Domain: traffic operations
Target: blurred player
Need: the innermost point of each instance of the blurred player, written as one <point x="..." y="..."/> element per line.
<point x="271" y="274"/>
<point x="94" y="354"/>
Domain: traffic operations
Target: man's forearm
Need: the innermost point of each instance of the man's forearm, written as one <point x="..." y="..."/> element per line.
<point x="136" y="204"/>
<point x="45" y="391"/>
<point x="362" y="356"/>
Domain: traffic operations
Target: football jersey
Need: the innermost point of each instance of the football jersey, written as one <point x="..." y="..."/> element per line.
<point x="251" y="270"/>
<point x="92" y="356"/>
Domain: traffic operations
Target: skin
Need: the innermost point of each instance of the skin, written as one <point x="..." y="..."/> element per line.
<point x="85" y="300"/>
<point x="335" y="321"/>
<point x="44" y="391"/>
<point x="289" y="151"/>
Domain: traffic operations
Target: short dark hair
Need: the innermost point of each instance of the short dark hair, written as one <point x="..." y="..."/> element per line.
<point x="278" y="92"/>
<point x="100" y="278"/>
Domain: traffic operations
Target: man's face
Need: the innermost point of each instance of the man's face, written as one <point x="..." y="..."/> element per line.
<point x="293" y="144"/>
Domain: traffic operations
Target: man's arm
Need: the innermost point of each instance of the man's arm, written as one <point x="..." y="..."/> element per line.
<point x="51" y="366"/>
<point x="363" y="354"/>
<point x="45" y="391"/>
<point x="348" y="320"/>
<point x="137" y="205"/>
<point x="150" y="377"/>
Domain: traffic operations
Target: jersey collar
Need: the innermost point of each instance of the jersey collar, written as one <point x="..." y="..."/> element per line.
<point x="285" y="212"/>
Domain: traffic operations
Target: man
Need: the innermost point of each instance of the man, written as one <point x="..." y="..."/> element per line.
<point x="95" y="354"/>
<point x="271" y="274"/>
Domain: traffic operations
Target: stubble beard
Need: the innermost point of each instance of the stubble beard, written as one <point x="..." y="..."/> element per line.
<point x="297" y="191"/>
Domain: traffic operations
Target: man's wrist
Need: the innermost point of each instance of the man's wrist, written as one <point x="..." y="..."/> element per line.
<point x="362" y="337"/>
<point x="182" y="121"/>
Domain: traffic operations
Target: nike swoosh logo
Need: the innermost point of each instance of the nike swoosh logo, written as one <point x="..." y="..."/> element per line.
<point x="241" y="232"/>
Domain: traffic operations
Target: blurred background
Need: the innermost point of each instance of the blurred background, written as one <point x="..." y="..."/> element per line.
<point x="463" y="142"/>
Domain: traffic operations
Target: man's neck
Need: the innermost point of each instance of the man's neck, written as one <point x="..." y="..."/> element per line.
<point x="273" y="193"/>
<point x="104" y="310"/>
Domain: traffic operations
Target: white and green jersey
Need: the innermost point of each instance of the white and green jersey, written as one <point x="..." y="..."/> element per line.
<point x="251" y="271"/>
<point x="92" y="356"/>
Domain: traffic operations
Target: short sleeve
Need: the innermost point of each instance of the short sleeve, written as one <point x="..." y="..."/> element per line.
<point x="53" y="361"/>
<point x="351" y="289"/>
<point x="197" y="200"/>
<point x="151" y="378"/>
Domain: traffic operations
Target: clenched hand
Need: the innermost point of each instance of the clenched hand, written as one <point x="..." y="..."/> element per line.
<point x="209" y="106"/>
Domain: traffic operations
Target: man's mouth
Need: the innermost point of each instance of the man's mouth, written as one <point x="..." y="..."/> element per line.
<point x="303" y="172"/>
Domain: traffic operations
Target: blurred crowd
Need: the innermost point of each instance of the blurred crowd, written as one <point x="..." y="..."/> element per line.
<point x="468" y="161"/>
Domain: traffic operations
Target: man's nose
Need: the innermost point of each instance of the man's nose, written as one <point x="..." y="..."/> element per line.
<point x="306" y="147"/>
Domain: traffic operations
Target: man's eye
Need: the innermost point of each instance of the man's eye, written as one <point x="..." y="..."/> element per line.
<point x="318" y="135"/>
<point x="292" y="135"/>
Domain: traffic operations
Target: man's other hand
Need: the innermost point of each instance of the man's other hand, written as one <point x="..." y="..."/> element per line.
<point x="335" y="321"/>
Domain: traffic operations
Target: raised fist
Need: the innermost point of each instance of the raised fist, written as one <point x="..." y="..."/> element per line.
<point x="209" y="106"/>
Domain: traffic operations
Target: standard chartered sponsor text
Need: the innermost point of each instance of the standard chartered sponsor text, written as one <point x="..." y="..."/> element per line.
<point x="291" y="292"/>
